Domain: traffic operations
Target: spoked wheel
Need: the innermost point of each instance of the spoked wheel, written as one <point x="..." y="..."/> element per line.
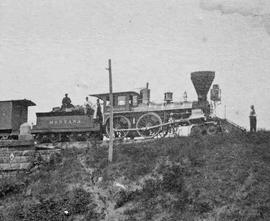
<point x="44" y="138"/>
<point x="88" y="136"/>
<point x="211" y="130"/>
<point x="163" y="132"/>
<point x="4" y="137"/>
<point x="54" y="138"/>
<point x="120" y="123"/>
<point x="147" y="125"/>
<point x="167" y="130"/>
<point x="195" y="131"/>
<point x="71" y="137"/>
<point x="83" y="136"/>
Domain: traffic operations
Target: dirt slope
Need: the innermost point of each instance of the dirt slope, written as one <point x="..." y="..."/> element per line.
<point x="224" y="177"/>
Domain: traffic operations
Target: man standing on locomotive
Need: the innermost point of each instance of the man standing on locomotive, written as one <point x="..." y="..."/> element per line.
<point x="88" y="107"/>
<point x="99" y="112"/>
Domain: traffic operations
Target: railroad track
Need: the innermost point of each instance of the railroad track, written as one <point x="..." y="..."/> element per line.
<point x="225" y="126"/>
<point x="89" y="144"/>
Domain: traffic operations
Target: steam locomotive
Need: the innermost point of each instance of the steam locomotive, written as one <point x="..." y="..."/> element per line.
<point x="134" y="115"/>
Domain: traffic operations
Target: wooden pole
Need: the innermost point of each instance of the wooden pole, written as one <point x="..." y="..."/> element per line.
<point x="110" y="156"/>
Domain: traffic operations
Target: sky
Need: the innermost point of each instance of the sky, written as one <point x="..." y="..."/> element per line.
<point x="52" y="47"/>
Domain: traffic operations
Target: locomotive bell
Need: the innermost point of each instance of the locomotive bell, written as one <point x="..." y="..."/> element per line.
<point x="168" y="97"/>
<point x="185" y="96"/>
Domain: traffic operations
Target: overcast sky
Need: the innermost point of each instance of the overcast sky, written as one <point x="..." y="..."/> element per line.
<point x="50" y="47"/>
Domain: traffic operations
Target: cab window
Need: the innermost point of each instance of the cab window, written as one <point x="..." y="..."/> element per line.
<point x="121" y="100"/>
<point x="107" y="101"/>
<point x="135" y="100"/>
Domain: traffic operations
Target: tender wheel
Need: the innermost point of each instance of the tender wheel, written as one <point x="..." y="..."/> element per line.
<point x="119" y="123"/>
<point x="83" y="137"/>
<point x="211" y="130"/>
<point x="54" y="138"/>
<point x="147" y="125"/>
<point x="4" y="137"/>
<point x="44" y="138"/>
<point x="196" y="131"/>
<point x="72" y="137"/>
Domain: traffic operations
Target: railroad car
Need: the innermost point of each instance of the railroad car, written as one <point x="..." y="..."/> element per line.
<point x="13" y="113"/>
<point x="135" y="115"/>
<point x="67" y="125"/>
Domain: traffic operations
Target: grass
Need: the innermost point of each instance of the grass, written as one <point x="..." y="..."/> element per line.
<point x="223" y="177"/>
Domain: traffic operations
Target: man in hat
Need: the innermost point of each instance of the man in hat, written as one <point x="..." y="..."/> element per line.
<point x="66" y="102"/>
<point x="252" y="119"/>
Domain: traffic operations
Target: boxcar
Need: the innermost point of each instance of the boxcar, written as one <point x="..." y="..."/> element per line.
<point x="13" y="113"/>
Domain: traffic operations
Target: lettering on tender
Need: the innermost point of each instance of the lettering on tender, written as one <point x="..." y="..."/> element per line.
<point x="65" y="121"/>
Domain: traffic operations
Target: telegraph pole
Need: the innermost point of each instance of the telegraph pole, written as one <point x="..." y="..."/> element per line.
<point x="110" y="156"/>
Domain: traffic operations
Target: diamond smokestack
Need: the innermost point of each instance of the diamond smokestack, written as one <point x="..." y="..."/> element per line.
<point x="202" y="81"/>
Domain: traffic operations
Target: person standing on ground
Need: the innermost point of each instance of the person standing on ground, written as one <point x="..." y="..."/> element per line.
<point x="99" y="116"/>
<point x="252" y="119"/>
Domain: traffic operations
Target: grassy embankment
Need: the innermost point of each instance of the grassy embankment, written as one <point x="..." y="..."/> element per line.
<point x="224" y="177"/>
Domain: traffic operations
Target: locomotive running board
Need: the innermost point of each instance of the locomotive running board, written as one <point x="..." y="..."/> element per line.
<point x="160" y="125"/>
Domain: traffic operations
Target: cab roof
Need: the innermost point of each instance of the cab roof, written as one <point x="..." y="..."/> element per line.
<point x="21" y="102"/>
<point x="104" y="95"/>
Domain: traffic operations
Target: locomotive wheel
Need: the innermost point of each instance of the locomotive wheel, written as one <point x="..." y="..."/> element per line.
<point x="119" y="123"/>
<point x="145" y="122"/>
<point x="211" y="130"/>
<point x="72" y="137"/>
<point x="4" y="137"/>
<point x="54" y="138"/>
<point x="195" y="131"/>
<point x="44" y="138"/>
<point x="82" y="137"/>
<point x="163" y="132"/>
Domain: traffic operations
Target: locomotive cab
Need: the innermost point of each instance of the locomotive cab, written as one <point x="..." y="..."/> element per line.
<point x="122" y="101"/>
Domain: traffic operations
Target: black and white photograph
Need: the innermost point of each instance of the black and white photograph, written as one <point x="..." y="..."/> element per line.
<point x="139" y="110"/>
